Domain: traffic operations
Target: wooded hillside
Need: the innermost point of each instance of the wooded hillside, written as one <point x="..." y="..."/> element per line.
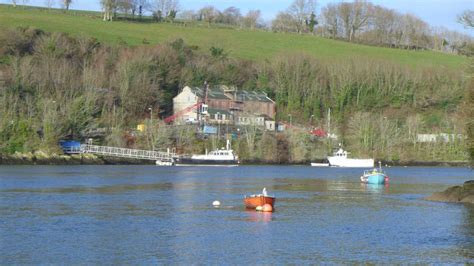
<point x="58" y="86"/>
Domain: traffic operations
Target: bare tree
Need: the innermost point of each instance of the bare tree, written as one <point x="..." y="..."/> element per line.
<point x="301" y="11"/>
<point x="467" y="18"/>
<point x="108" y="7"/>
<point x="125" y="6"/>
<point x="362" y="131"/>
<point x="296" y="18"/>
<point x="49" y="3"/>
<point x="166" y="7"/>
<point x="208" y="14"/>
<point x="346" y="19"/>
<point x="383" y="25"/>
<point x="362" y="13"/>
<point x="354" y="16"/>
<point x="141" y="6"/>
<point x="251" y="19"/>
<point x="331" y="20"/>
<point x="448" y="41"/>
<point x="416" y="32"/>
<point x="66" y="4"/>
<point x="284" y="22"/>
<point x="230" y="15"/>
<point x="188" y="15"/>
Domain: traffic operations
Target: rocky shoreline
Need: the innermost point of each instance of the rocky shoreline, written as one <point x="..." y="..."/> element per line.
<point x="42" y="158"/>
<point x="458" y="194"/>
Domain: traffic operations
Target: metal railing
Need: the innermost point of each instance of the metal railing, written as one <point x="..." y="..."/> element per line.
<point x="72" y="149"/>
<point x="127" y="153"/>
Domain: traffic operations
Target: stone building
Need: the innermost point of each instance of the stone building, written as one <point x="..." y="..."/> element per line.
<point x="225" y="105"/>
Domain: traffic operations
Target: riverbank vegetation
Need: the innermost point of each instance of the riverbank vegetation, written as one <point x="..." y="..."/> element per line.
<point x="57" y="86"/>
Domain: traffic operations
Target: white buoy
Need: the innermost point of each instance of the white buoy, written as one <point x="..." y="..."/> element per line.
<point x="259" y="208"/>
<point x="216" y="203"/>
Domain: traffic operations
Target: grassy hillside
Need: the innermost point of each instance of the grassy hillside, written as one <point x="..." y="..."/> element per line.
<point x="254" y="45"/>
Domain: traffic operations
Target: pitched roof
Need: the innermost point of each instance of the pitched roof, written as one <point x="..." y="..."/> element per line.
<point x="218" y="92"/>
<point x="213" y="93"/>
<point x="253" y="96"/>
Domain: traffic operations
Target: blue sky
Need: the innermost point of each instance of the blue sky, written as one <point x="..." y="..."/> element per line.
<point x="435" y="12"/>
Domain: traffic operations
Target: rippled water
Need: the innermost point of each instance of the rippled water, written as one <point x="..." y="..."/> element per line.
<point x="150" y="215"/>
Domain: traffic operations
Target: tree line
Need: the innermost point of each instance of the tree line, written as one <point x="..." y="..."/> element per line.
<point x="357" y="21"/>
<point x="61" y="87"/>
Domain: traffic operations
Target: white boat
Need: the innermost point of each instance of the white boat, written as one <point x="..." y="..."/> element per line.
<point x="222" y="157"/>
<point x="165" y="162"/>
<point x="320" y="164"/>
<point x="339" y="159"/>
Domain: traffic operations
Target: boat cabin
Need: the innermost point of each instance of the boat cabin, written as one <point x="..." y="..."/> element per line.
<point x="341" y="153"/>
<point x="222" y="153"/>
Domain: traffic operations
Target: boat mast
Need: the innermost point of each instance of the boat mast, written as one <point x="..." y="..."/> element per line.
<point x="329" y="122"/>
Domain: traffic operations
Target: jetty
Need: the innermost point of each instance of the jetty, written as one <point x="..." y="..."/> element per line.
<point x="122" y="152"/>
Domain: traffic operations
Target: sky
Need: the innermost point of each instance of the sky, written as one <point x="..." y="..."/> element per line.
<point x="434" y="12"/>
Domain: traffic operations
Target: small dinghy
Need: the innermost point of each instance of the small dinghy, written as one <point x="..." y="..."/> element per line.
<point x="253" y="201"/>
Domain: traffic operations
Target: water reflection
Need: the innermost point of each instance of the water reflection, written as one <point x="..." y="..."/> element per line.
<point x="375" y="188"/>
<point x="467" y="248"/>
<point x="254" y="216"/>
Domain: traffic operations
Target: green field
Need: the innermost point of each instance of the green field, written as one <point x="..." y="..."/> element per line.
<point x="253" y="45"/>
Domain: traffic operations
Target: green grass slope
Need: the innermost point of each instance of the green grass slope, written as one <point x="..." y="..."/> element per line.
<point x="254" y="45"/>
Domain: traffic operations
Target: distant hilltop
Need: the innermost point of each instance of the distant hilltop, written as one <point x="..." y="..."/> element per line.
<point x="222" y="40"/>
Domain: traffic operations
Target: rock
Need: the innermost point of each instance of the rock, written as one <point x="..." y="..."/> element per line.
<point x="464" y="194"/>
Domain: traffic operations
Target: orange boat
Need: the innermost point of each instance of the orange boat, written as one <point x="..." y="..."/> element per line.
<point x="253" y="201"/>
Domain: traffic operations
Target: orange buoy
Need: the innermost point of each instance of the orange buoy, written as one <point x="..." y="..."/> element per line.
<point x="267" y="208"/>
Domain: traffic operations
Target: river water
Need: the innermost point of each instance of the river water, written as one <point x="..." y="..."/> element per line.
<point x="164" y="215"/>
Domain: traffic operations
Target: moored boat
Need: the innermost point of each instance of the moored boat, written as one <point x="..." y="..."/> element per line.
<point x="253" y="201"/>
<point x="340" y="159"/>
<point x="375" y="176"/>
<point x="320" y="164"/>
<point x="222" y="157"/>
<point x="165" y="162"/>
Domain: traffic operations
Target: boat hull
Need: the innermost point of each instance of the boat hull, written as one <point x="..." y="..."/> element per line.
<point x="374" y="179"/>
<point x="191" y="161"/>
<point x="253" y="202"/>
<point x="320" y="164"/>
<point x="353" y="163"/>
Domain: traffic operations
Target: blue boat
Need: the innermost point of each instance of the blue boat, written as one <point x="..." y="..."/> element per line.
<point x="374" y="176"/>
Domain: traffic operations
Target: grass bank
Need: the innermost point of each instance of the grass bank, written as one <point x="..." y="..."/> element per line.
<point x="245" y="44"/>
